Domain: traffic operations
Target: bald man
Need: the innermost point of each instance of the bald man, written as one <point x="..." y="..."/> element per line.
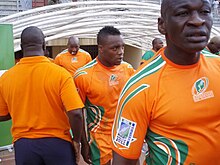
<point x="73" y="58"/>
<point x="213" y="46"/>
<point x="42" y="101"/>
<point x="157" y="44"/>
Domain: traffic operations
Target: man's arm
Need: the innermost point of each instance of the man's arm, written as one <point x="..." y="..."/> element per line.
<point x="76" y="123"/>
<point x="5" y="118"/>
<point x="119" y="160"/>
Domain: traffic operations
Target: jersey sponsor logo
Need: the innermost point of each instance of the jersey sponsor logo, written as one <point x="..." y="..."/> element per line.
<point x="199" y="90"/>
<point x="125" y="133"/>
<point x="113" y="80"/>
<point x="74" y="59"/>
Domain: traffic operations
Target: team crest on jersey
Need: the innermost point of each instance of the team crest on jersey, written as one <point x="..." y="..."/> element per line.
<point x="113" y="80"/>
<point x="125" y="132"/>
<point x="199" y="90"/>
<point x="74" y="59"/>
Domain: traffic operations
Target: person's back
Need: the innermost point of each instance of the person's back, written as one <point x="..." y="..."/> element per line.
<point x="41" y="99"/>
<point x="73" y="58"/>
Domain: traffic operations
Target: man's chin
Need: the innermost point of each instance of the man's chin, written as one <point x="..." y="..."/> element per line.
<point x="73" y="53"/>
<point x="196" y="47"/>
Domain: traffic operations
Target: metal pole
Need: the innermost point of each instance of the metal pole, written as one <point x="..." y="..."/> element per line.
<point x="17" y="5"/>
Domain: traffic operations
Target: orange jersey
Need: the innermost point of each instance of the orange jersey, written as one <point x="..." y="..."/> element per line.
<point x="99" y="88"/>
<point x="176" y="108"/>
<point x="72" y="62"/>
<point x="36" y="93"/>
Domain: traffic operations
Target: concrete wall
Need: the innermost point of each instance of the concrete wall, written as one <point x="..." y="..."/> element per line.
<point x="132" y="55"/>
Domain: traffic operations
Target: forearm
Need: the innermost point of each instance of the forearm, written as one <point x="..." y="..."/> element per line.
<point x="119" y="160"/>
<point x="5" y="118"/>
<point x="76" y="123"/>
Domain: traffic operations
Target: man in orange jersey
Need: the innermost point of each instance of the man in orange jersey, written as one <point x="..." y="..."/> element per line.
<point x="99" y="84"/>
<point x="42" y="101"/>
<point x="173" y="100"/>
<point x="74" y="58"/>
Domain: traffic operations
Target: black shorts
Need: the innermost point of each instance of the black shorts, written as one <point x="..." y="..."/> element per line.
<point x="44" y="151"/>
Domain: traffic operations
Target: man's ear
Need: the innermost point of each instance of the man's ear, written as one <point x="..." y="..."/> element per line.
<point x="100" y="48"/>
<point x="161" y="26"/>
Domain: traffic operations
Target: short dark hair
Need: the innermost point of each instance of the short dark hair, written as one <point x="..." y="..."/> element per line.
<point x="107" y="30"/>
<point x="155" y="40"/>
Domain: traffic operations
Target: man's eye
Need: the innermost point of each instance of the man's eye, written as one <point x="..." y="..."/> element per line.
<point x="205" y="11"/>
<point x="114" y="49"/>
<point x="182" y="14"/>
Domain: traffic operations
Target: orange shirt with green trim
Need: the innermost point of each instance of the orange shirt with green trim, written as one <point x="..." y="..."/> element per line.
<point x="72" y="62"/>
<point x="37" y="94"/>
<point x="99" y="88"/>
<point x="177" y="109"/>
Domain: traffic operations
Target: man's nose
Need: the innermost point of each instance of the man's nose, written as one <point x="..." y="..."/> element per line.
<point x="196" y="19"/>
<point x="121" y="50"/>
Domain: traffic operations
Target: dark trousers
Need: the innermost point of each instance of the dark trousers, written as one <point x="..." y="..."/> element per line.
<point x="44" y="151"/>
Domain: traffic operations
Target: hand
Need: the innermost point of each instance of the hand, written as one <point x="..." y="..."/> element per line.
<point x="76" y="147"/>
<point x="85" y="151"/>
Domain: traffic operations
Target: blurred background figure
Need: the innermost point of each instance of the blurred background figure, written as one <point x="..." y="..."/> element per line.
<point x="213" y="46"/>
<point x="157" y="43"/>
<point x="74" y="57"/>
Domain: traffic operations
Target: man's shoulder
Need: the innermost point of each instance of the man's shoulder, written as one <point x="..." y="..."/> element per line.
<point x="81" y="51"/>
<point x="126" y="64"/>
<point x="148" y="54"/>
<point x="63" y="53"/>
<point x="86" y="69"/>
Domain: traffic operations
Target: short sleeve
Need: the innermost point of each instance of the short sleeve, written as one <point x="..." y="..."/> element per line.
<point x="57" y="60"/>
<point x="69" y="95"/>
<point x="3" y="104"/>
<point x="81" y="84"/>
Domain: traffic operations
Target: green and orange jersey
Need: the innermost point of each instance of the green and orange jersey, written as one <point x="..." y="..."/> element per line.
<point x="206" y="50"/>
<point x="72" y="62"/>
<point x="99" y="88"/>
<point x="147" y="56"/>
<point x="176" y="108"/>
<point x="37" y="94"/>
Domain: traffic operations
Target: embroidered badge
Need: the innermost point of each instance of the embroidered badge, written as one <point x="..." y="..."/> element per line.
<point x="74" y="59"/>
<point x="199" y="90"/>
<point x="125" y="132"/>
<point x="113" y="80"/>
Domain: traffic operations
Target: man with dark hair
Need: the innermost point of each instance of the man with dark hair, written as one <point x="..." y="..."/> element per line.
<point x="173" y="101"/>
<point x="42" y="101"/>
<point x="99" y="84"/>
<point x="213" y="46"/>
<point x="157" y="44"/>
<point x="74" y="57"/>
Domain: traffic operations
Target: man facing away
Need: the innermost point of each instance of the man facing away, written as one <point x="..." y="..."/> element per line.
<point x="213" y="46"/>
<point x="99" y="84"/>
<point x="74" y="58"/>
<point x="157" y="44"/>
<point x="42" y="101"/>
<point x="173" y="101"/>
